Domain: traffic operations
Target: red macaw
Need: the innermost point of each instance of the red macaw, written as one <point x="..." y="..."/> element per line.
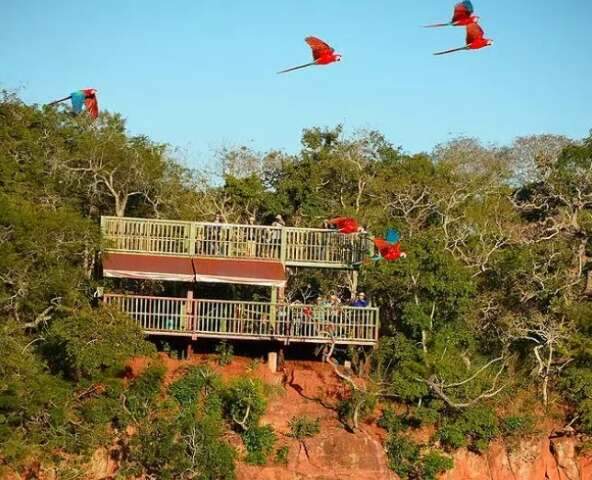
<point x="322" y="54"/>
<point x="345" y="224"/>
<point x="91" y="102"/>
<point x="463" y="15"/>
<point x="87" y="97"/>
<point x="475" y="40"/>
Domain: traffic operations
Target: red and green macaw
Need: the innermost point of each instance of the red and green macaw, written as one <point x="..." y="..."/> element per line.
<point x="86" y="97"/>
<point x="322" y="54"/>
<point x="462" y="16"/>
<point x="389" y="247"/>
<point x="475" y="40"/>
<point x="345" y="225"/>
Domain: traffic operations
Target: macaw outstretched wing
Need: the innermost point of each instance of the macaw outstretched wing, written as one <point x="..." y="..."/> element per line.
<point x="77" y="101"/>
<point x="392" y="236"/>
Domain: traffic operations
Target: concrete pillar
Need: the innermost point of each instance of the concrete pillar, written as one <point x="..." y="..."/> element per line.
<point x="272" y="361"/>
<point x="189" y="350"/>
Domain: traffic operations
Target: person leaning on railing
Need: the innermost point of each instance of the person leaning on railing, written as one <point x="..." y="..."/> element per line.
<point x="276" y="236"/>
<point x="360" y="300"/>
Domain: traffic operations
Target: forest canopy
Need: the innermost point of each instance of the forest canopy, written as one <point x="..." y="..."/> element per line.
<point x="492" y="301"/>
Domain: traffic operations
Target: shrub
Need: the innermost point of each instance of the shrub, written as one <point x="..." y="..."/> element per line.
<point x="577" y="387"/>
<point x="403" y="454"/>
<point x="197" y="382"/>
<point x="433" y="464"/>
<point x="474" y="427"/>
<point x="244" y="402"/>
<point x="517" y="425"/>
<point x="94" y="343"/>
<point x="259" y="442"/>
<point x="407" y="460"/>
<point x="143" y="391"/>
<point x="356" y="408"/>
<point x="390" y="421"/>
<point x="424" y="416"/>
<point x="303" y="427"/>
<point x="180" y="447"/>
<point x="281" y="455"/>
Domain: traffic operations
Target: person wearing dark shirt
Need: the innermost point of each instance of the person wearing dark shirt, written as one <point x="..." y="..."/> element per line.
<point x="360" y="301"/>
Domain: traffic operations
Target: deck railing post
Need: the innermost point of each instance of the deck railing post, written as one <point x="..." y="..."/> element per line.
<point x="283" y="244"/>
<point x="192" y="249"/>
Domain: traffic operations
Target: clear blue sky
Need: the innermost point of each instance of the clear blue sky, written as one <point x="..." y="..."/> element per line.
<point x="201" y="75"/>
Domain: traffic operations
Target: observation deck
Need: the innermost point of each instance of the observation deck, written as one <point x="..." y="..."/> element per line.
<point x="237" y="320"/>
<point x="293" y="247"/>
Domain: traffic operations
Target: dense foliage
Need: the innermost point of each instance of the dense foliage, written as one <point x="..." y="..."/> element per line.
<point x="491" y="303"/>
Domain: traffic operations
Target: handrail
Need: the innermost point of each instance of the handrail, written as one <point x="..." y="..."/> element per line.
<point x="250" y="320"/>
<point x="294" y="246"/>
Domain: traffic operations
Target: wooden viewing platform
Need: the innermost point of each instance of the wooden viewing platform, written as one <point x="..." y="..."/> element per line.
<point x="304" y="247"/>
<point x="250" y="320"/>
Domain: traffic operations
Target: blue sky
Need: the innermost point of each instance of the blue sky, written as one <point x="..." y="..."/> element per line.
<point x="201" y="75"/>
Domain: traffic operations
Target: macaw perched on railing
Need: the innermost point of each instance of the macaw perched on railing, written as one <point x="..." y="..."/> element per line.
<point x="389" y="248"/>
<point x="345" y="225"/>
<point x="80" y="98"/>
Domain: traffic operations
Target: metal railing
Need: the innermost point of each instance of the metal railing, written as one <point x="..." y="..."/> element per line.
<point x="293" y="246"/>
<point x="250" y="320"/>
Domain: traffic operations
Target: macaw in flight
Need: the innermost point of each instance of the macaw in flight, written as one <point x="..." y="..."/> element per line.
<point x="345" y="225"/>
<point x="475" y="40"/>
<point x="389" y="247"/>
<point x="462" y="16"/>
<point x="322" y="54"/>
<point x="86" y="97"/>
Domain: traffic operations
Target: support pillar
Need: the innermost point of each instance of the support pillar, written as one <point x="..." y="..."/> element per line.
<point x="188" y="320"/>
<point x="273" y="308"/>
<point x="354" y="283"/>
<point x="272" y="361"/>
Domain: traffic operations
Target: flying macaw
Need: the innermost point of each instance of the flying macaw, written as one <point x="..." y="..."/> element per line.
<point x="463" y="15"/>
<point x="322" y="54"/>
<point x="345" y="225"/>
<point x="389" y="247"/>
<point x="475" y="40"/>
<point x="86" y="97"/>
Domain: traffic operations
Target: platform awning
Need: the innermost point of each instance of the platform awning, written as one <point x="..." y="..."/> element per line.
<point x="148" y="267"/>
<point x="246" y="272"/>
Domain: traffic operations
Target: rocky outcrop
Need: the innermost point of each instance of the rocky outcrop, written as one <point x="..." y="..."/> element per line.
<point x="545" y="459"/>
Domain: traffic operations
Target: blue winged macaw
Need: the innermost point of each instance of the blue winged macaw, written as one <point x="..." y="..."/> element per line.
<point x="82" y="98"/>
<point x="389" y="247"/>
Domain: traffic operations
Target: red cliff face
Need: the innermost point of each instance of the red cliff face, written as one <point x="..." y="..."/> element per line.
<point x="336" y="454"/>
<point x="544" y="459"/>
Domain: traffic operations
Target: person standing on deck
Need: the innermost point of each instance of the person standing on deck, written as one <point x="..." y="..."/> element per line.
<point x="276" y="236"/>
<point x="335" y="314"/>
<point x="251" y="237"/>
<point x="360" y="301"/>
<point x="215" y="236"/>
